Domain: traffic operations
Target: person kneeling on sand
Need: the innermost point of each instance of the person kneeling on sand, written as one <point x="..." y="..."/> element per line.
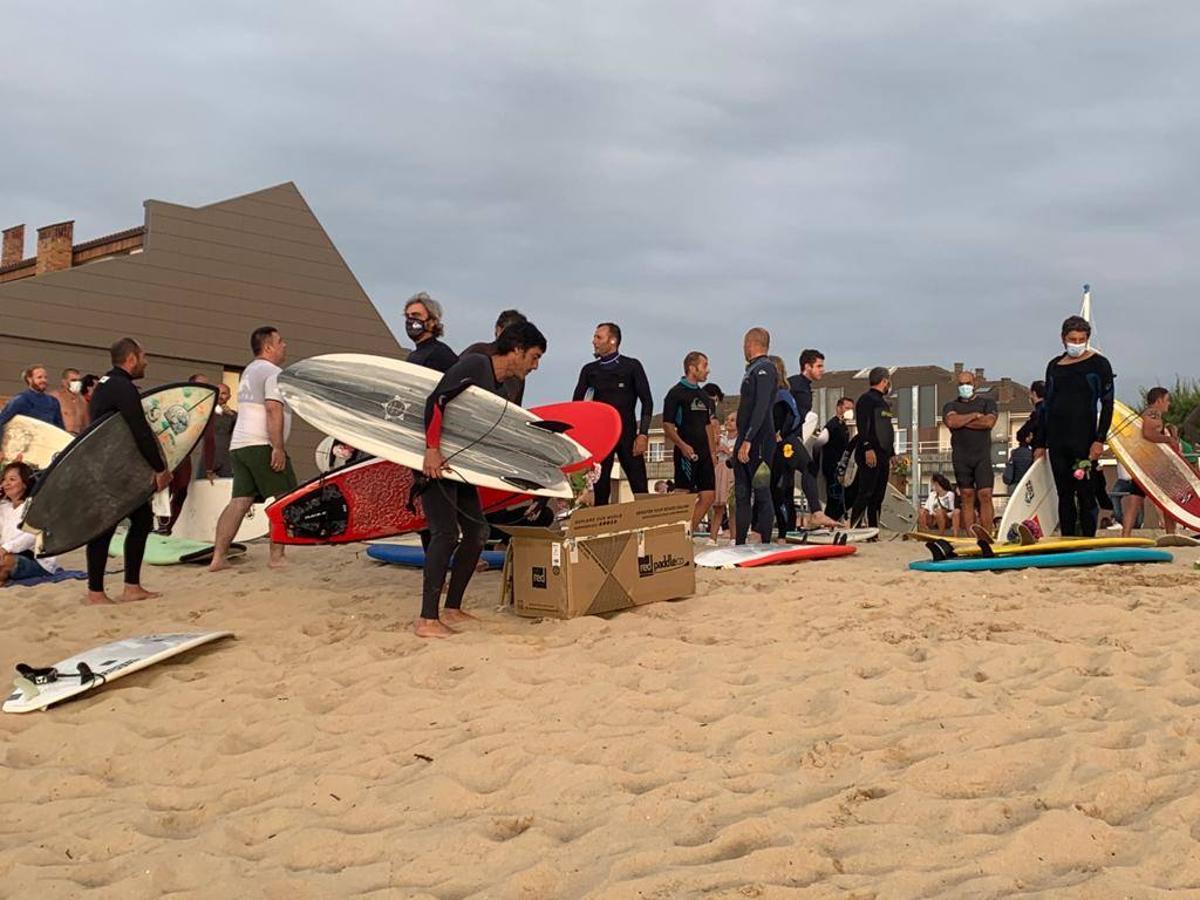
<point x="457" y="528"/>
<point x="16" y="546"/>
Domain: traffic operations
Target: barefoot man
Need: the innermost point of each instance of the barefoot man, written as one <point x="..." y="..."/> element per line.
<point x="261" y="467"/>
<point x="116" y="392"/>
<point x="456" y="525"/>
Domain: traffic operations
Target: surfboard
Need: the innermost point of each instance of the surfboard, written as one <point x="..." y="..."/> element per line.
<point x="1176" y="540"/>
<point x="170" y="550"/>
<point x="1034" y="498"/>
<point x="378" y="405"/>
<point x="897" y="512"/>
<point x="39" y="688"/>
<point x="102" y="477"/>
<point x="1044" y="560"/>
<point x="750" y="555"/>
<point x="414" y="557"/>
<point x="371" y="500"/>
<point x="833" y="536"/>
<point x="1158" y="470"/>
<point x="968" y="549"/>
<point x="35" y="441"/>
<point x="204" y="504"/>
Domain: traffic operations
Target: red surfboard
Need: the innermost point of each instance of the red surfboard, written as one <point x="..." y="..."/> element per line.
<point x="373" y="499"/>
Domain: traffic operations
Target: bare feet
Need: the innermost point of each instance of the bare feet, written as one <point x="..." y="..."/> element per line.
<point x="432" y="628"/>
<point x="457" y="616"/>
<point x="219" y="565"/>
<point x="277" y="564"/>
<point x="97" y="598"/>
<point x="820" y="520"/>
<point x="134" y="592"/>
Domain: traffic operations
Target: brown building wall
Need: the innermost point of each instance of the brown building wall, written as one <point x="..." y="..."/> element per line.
<point x="205" y="278"/>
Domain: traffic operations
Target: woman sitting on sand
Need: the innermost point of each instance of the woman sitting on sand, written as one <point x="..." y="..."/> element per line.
<point x="16" y="546"/>
<point x="940" y="512"/>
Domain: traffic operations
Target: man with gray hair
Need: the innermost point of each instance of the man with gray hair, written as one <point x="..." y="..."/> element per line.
<point x="423" y="325"/>
<point x="876" y="447"/>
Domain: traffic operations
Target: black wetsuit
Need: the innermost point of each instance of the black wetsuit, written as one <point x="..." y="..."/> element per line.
<point x="831" y="455"/>
<point x="971" y="448"/>
<point x="691" y="410"/>
<point x="620" y="381"/>
<point x="433" y="354"/>
<point x="875" y="432"/>
<point x="452" y="507"/>
<point x="755" y="427"/>
<point x="116" y="393"/>
<point x="513" y="388"/>
<point x="786" y="419"/>
<point x="1076" y="413"/>
<point x="801" y="389"/>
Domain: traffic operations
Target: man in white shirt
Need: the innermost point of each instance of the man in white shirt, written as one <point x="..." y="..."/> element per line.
<point x="261" y="467"/>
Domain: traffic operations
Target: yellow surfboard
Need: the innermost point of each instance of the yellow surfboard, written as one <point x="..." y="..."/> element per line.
<point x="1158" y="470"/>
<point x="966" y="548"/>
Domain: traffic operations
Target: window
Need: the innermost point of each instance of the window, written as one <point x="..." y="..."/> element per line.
<point x="656" y="451"/>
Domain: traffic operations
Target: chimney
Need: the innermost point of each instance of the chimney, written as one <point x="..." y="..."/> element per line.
<point x="958" y="368"/>
<point x="979" y="374"/>
<point x="14" y="246"/>
<point x="1007" y="393"/>
<point x="54" y="247"/>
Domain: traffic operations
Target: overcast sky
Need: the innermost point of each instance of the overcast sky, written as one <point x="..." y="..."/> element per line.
<point x="893" y="183"/>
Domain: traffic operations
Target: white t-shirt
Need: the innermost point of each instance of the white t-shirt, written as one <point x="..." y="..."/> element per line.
<point x="260" y="383"/>
<point x="946" y="501"/>
<point x="14" y="540"/>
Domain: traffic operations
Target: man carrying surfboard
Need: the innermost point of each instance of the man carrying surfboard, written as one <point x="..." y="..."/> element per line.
<point x="456" y="525"/>
<point x="117" y="393"/>
<point x="1156" y="431"/>
<point x="970" y="419"/>
<point x="620" y="381"/>
<point x="1074" y="423"/>
<point x="514" y="388"/>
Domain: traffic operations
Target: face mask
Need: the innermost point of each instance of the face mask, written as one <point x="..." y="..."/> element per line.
<point x="75" y="387"/>
<point x="1074" y="350"/>
<point x="219" y="410"/>
<point x="849" y="416"/>
<point x="966" y="391"/>
<point x="414" y="328"/>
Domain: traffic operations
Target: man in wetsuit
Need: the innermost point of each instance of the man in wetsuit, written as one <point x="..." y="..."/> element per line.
<point x="688" y="411"/>
<point x="812" y="368"/>
<point x="970" y="419"/>
<point x="754" y="445"/>
<point x="423" y="325"/>
<point x="117" y="393"/>
<point x="1037" y="396"/>
<point x="452" y="507"/>
<point x="1074" y="424"/>
<point x="620" y="381"/>
<point x="876" y="447"/>
<point x="831" y="455"/>
<point x="512" y="388"/>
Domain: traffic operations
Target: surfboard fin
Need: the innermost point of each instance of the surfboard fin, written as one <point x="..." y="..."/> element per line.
<point x="551" y="426"/>
<point x="524" y="484"/>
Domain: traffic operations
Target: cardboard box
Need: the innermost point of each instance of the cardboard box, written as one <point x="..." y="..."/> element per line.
<point x="604" y="559"/>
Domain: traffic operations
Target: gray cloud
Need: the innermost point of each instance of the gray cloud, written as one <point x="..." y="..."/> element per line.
<point x="892" y="183"/>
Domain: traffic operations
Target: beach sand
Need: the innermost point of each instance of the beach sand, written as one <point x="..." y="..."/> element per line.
<point x="837" y="729"/>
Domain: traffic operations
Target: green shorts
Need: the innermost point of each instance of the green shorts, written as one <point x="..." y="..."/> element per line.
<point x="254" y="477"/>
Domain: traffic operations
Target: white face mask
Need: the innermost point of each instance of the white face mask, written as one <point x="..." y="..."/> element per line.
<point x="219" y="410"/>
<point x="1074" y="350"/>
<point x="75" y="387"/>
<point x="966" y="391"/>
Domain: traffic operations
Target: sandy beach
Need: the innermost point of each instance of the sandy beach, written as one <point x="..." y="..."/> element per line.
<point x="844" y="728"/>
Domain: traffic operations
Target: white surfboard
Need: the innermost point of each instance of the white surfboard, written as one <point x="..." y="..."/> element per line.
<point x="377" y="405"/>
<point x="833" y="536"/>
<point x="35" y="441"/>
<point x="204" y="504"/>
<point x="37" y="688"/>
<point x="1035" y="497"/>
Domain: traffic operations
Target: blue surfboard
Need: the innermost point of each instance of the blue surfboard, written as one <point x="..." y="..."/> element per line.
<point x="1044" y="560"/>
<point x="403" y="555"/>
